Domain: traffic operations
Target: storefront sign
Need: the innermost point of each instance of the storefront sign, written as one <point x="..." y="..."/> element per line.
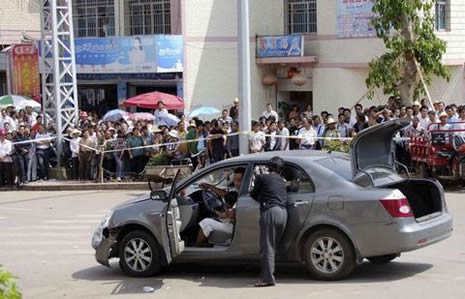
<point x="25" y="71"/>
<point x="136" y="54"/>
<point x="354" y="18"/>
<point x="280" y="46"/>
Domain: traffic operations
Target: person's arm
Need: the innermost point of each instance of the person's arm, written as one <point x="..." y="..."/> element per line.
<point x="286" y="140"/>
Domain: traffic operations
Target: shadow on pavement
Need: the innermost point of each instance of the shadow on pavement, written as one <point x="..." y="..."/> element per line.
<point x="243" y="276"/>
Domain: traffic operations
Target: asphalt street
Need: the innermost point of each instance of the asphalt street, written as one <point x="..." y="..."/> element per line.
<point x="45" y="241"/>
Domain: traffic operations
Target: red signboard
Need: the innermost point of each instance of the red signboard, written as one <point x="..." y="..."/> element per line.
<point x="25" y="71"/>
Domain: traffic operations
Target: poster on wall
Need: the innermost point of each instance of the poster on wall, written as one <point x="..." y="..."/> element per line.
<point x="280" y="46"/>
<point x="354" y="19"/>
<point x="135" y="54"/>
<point x="25" y="71"/>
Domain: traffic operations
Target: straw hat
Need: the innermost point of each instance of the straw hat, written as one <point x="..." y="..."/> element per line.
<point x="75" y="131"/>
<point x="192" y="124"/>
<point x="236" y="100"/>
<point x="443" y="114"/>
<point x="173" y="133"/>
<point x="416" y="103"/>
<point x="330" y="121"/>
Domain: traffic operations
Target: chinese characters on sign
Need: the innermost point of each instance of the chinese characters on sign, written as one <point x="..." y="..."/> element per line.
<point x="354" y="18"/>
<point x="144" y="54"/>
<point x="280" y="46"/>
<point x="25" y="71"/>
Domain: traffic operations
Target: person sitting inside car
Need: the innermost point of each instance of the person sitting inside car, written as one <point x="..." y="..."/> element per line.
<point x="225" y="220"/>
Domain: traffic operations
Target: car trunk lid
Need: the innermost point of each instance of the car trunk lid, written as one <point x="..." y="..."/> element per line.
<point x="372" y="151"/>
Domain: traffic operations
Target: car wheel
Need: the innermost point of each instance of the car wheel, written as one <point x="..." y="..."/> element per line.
<point x="139" y="255"/>
<point x="382" y="259"/>
<point x="329" y="255"/>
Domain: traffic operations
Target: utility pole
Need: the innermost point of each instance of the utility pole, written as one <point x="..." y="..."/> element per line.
<point x="245" y="114"/>
<point x="59" y="90"/>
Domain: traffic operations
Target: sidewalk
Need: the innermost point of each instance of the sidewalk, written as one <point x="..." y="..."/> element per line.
<point x="59" y="185"/>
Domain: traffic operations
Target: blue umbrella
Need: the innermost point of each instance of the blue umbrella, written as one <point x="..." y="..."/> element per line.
<point x="115" y="115"/>
<point x="204" y="111"/>
<point x="168" y="119"/>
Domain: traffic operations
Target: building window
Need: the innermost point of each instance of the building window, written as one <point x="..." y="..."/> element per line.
<point x="94" y="18"/>
<point x="301" y="16"/>
<point x="441" y="15"/>
<point x="148" y="17"/>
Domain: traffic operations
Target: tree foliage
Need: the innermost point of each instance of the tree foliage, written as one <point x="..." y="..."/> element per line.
<point x="407" y="30"/>
<point x="8" y="288"/>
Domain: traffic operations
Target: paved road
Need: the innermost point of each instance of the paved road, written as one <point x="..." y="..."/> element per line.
<point x="45" y="240"/>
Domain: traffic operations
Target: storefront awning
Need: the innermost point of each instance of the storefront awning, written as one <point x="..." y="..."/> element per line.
<point x="288" y="60"/>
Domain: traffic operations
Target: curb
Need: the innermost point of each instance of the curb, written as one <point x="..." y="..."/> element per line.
<point x="85" y="187"/>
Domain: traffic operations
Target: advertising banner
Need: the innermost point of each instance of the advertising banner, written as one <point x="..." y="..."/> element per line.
<point x="135" y="54"/>
<point x="354" y="18"/>
<point x="280" y="46"/>
<point x="25" y="71"/>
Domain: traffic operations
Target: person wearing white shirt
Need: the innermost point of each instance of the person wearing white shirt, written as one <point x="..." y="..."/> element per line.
<point x="307" y="136"/>
<point x="257" y="139"/>
<point x="74" y="147"/>
<point x="5" y="118"/>
<point x="6" y="162"/>
<point x="284" y="132"/>
<point x="43" y="152"/>
<point x="423" y="117"/>
<point x="270" y="112"/>
<point x="342" y="126"/>
<point x="160" y="111"/>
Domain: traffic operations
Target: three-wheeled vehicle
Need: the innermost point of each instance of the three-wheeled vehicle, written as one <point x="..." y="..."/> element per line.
<point x="440" y="154"/>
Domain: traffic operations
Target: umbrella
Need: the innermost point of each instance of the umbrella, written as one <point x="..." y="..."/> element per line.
<point x="115" y="115"/>
<point x="168" y="119"/>
<point x="203" y="111"/>
<point x="20" y="102"/>
<point x="150" y="101"/>
<point x="142" y="116"/>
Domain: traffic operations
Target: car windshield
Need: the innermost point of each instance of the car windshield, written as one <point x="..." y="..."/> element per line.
<point x="340" y="165"/>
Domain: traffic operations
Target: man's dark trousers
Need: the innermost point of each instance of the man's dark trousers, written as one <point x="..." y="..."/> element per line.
<point x="272" y="226"/>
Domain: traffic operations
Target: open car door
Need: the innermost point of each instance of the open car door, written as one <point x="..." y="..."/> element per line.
<point x="373" y="155"/>
<point x="171" y="225"/>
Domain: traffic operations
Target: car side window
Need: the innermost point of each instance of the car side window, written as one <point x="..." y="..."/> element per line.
<point x="297" y="181"/>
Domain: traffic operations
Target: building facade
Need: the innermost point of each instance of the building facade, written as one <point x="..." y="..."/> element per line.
<point x="334" y="64"/>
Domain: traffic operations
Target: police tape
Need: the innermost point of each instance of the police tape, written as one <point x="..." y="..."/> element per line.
<point x="100" y="148"/>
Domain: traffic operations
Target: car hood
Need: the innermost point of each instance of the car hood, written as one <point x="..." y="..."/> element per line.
<point x="373" y="148"/>
<point x="133" y="201"/>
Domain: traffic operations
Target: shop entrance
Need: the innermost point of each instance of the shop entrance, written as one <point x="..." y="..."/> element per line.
<point x="98" y="98"/>
<point x="288" y="99"/>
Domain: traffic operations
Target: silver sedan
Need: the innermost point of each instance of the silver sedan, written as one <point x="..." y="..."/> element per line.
<point x="342" y="209"/>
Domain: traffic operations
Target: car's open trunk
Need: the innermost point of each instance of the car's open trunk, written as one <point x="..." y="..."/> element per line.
<point x="423" y="196"/>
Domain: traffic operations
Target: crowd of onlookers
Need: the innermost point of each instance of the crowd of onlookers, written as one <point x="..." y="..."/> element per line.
<point x="123" y="148"/>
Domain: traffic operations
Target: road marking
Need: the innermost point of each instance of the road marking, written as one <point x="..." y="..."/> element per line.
<point x="44" y="234"/>
<point x="3" y="218"/>
<point x="15" y="209"/>
<point x="71" y="221"/>
<point x="51" y="227"/>
<point x="90" y="216"/>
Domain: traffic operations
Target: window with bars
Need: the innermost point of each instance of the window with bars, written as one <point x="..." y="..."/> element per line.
<point x="148" y="17"/>
<point x="441" y="15"/>
<point x="301" y="16"/>
<point x="94" y="18"/>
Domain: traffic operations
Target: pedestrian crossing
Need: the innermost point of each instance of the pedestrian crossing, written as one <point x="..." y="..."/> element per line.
<point x="51" y="236"/>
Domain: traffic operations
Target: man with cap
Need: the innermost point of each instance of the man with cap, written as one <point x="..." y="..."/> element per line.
<point x="22" y="147"/>
<point x="6" y="162"/>
<point x="74" y="148"/>
<point x="416" y="108"/>
<point x="234" y="111"/>
<point x="270" y="191"/>
<point x="414" y="129"/>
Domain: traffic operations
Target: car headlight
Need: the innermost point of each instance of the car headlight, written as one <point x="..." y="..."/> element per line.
<point x="97" y="237"/>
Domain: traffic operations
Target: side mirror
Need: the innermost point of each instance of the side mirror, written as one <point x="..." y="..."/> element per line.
<point x="159" y="195"/>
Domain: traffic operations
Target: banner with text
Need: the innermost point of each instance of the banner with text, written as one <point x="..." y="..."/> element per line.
<point x="354" y="19"/>
<point x="136" y="54"/>
<point x="25" y="71"/>
<point x="280" y="46"/>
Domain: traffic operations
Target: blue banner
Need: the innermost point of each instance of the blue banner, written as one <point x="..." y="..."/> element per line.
<point x="135" y="54"/>
<point x="354" y="18"/>
<point x="280" y="46"/>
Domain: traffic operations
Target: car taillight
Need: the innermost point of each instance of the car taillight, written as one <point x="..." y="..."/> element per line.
<point x="397" y="207"/>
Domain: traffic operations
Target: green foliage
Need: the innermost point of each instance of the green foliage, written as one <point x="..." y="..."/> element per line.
<point x="8" y="288"/>
<point x="159" y="159"/>
<point x="407" y="30"/>
<point x="336" y="146"/>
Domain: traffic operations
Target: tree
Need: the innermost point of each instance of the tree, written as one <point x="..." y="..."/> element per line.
<point x="407" y="30"/>
<point x="8" y="288"/>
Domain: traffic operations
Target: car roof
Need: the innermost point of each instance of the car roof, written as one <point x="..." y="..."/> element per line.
<point x="290" y="156"/>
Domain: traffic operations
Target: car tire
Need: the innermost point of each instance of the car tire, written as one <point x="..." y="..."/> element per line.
<point x="139" y="254"/>
<point x="382" y="259"/>
<point x="329" y="255"/>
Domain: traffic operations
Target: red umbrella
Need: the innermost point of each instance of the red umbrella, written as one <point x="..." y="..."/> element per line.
<point x="150" y="101"/>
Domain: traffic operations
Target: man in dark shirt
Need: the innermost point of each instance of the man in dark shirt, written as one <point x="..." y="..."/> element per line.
<point x="270" y="191"/>
<point x="217" y="142"/>
<point x="293" y="131"/>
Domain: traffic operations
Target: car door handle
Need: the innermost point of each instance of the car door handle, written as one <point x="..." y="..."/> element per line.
<point x="300" y="203"/>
